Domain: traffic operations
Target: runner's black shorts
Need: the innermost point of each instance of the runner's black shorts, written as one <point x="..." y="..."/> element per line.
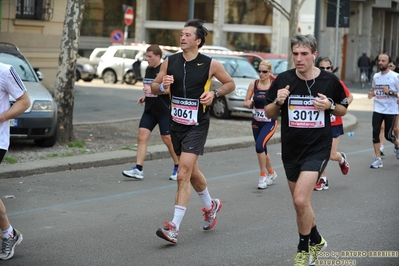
<point x="311" y="163"/>
<point x="149" y="120"/>
<point x="337" y="131"/>
<point x="2" y="154"/>
<point x="190" y="141"/>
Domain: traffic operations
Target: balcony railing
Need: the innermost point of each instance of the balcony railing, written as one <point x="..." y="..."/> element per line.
<point x="34" y="9"/>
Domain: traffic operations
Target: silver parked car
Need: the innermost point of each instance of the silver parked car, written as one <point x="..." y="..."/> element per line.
<point x="86" y="69"/>
<point x="243" y="74"/>
<point x="39" y="121"/>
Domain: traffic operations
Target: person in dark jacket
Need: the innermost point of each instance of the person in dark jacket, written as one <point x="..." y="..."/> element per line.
<point x="363" y="63"/>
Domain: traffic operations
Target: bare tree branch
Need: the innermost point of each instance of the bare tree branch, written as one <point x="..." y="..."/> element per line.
<point x="279" y="8"/>
<point x="300" y="4"/>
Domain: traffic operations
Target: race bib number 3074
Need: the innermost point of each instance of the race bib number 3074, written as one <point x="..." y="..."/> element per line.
<point x="302" y="113"/>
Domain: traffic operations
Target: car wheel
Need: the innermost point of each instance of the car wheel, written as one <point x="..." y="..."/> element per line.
<point x="46" y="142"/>
<point x="77" y="76"/>
<point x="219" y="108"/>
<point x="109" y="76"/>
<point x="130" y="78"/>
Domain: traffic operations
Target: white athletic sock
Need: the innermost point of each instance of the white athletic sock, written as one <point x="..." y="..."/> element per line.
<point x="178" y="216"/>
<point x="9" y="232"/>
<point x="381" y="147"/>
<point x="342" y="160"/>
<point x="206" y="198"/>
<point x="324" y="178"/>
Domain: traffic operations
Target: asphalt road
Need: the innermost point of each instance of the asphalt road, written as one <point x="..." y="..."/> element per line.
<point x="99" y="102"/>
<point x="97" y="217"/>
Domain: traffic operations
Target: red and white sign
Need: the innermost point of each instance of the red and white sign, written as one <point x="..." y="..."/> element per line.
<point x="129" y="16"/>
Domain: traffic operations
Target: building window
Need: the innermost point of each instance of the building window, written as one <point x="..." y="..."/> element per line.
<point x="34" y="9"/>
<point x="172" y="10"/>
<point x="244" y="12"/>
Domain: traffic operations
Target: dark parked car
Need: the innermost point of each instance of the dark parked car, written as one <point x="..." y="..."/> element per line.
<point x="85" y="69"/>
<point x="39" y="121"/>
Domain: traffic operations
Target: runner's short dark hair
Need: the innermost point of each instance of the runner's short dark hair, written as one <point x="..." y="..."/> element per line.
<point x="201" y="31"/>
<point x="154" y="48"/>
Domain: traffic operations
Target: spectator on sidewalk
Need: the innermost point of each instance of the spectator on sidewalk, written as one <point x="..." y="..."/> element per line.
<point x="363" y="63"/>
<point x="10" y="85"/>
<point x="156" y="112"/>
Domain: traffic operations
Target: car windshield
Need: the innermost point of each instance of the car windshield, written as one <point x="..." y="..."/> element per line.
<point x="238" y="67"/>
<point x="279" y="65"/>
<point x="21" y="66"/>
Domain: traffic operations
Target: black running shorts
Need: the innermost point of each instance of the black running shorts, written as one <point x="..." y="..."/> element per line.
<point x="2" y="154"/>
<point x="149" y="120"/>
<point x="190" y="141"/>
<point x="313" y="164"/>
<point x="337" y="131"/>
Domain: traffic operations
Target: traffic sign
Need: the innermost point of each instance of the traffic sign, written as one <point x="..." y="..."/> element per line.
<point x="117" y="36"/>
<point x="129" y="15"/>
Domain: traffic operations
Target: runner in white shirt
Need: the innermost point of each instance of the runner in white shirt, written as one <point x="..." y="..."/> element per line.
<point x="385" y="89"/>
<point x="10" y="85"/>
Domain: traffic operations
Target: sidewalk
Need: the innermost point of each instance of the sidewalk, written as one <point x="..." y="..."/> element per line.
<point x="125" y="156"/>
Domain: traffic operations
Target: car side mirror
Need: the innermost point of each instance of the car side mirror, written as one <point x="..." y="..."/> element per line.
<point x="38" y="74"/>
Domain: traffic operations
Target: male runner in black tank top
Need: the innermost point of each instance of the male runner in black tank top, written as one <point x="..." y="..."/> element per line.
<point x="186" y="77"/>
<point x="156" y="111"/>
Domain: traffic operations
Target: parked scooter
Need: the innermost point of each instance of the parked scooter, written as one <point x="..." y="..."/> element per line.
<point x="133" y="74"/>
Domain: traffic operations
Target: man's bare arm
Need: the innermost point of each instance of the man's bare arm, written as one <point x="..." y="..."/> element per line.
<point x="217" y="70"/>
<point x="20" y="105"/>
<point x="163" y="79"/>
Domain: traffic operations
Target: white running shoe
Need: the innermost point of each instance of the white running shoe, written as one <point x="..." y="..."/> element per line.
<point x="271" y="178"/>
<point x="262" y="182"/>
<point x="174" y="174"/>
<point x="377" y="163"/>
<point x="134" y="173"/>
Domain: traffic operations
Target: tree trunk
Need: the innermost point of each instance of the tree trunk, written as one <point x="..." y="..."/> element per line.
<point x="65" y="79"/>
<point x="293" y="27"/>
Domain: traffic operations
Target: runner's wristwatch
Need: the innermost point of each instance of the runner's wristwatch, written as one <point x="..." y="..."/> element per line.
<point x="332" y="107"/>
<point x="277" y="103"/>
<point x="216" y="93"/>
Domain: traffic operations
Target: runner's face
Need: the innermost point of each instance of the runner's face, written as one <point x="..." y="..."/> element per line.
<point x="264" y="76"/>
<point x="326" y="66"/>
<point x="153" y="60"/>
<point x="383" y="62"/>
<point x="188" y="39"/>
<point x="303" y="58"/>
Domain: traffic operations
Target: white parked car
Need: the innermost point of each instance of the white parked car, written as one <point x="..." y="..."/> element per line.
<point x="96" y="54"/>
<point x="117" y="59"/>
